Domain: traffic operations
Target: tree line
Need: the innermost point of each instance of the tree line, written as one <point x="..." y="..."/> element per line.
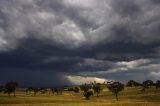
<point x="88" y="90"/>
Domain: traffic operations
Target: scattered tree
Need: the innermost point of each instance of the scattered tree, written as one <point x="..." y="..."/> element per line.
<point x="85" y="87"/>
<point x="43" y="90"/>
<point x="1" y="88"/>
<point x="76" y="89"/>
<point x="29" y="89"/>
<point x="86" y="91"/>
<point x="132" y="83"/>
<point x="97" y="88"/>
<point x="115" y="88"/>
<point x="87" y="94"/>
<point x="10" y="87"/>
<point x="57" y="90"/>
<point x="147" y="84"/>
<point x="36" y="90"/>
<point x="157" y="84"/>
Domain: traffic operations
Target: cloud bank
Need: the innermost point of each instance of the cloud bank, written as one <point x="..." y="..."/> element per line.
<point x="115" y="39"/>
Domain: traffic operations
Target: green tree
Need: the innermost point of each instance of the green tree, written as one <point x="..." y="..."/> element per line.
<point x="132" y="83"/>
<point x="1" y="88"/>
<point x="76" y="89"/>
<point x="86" y="91"/>
<point x="85" y="87"/>
<point x="57" y="90"/>
<point x="115" y="88"/>
<point x="10" y="87"/>
<point x="147" y="84"/>
<point x="88" y="94"/>
<point x="157" y="84"/>
<point x="97" y="88"/>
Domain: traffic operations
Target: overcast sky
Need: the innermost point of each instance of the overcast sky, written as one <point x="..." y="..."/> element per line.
<point x="59" y="42"/>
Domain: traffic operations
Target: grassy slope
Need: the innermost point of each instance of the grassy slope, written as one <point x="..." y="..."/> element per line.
<point x="128" y="97"/>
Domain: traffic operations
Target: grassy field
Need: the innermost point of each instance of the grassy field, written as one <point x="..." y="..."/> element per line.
<point x="128" y="97"/>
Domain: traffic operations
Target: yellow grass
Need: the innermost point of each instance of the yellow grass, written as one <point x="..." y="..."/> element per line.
<point x="128" y="97"/>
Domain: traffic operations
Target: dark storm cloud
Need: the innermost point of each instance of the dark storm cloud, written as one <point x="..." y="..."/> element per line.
<point x="78" y="37"/>
<point x="34" y="78"/>
<point x="155" y="1"/>
<point x="126" y="8"/>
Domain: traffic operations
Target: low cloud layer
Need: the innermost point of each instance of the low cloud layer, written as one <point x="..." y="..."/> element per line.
<point x="115" y="39"/>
